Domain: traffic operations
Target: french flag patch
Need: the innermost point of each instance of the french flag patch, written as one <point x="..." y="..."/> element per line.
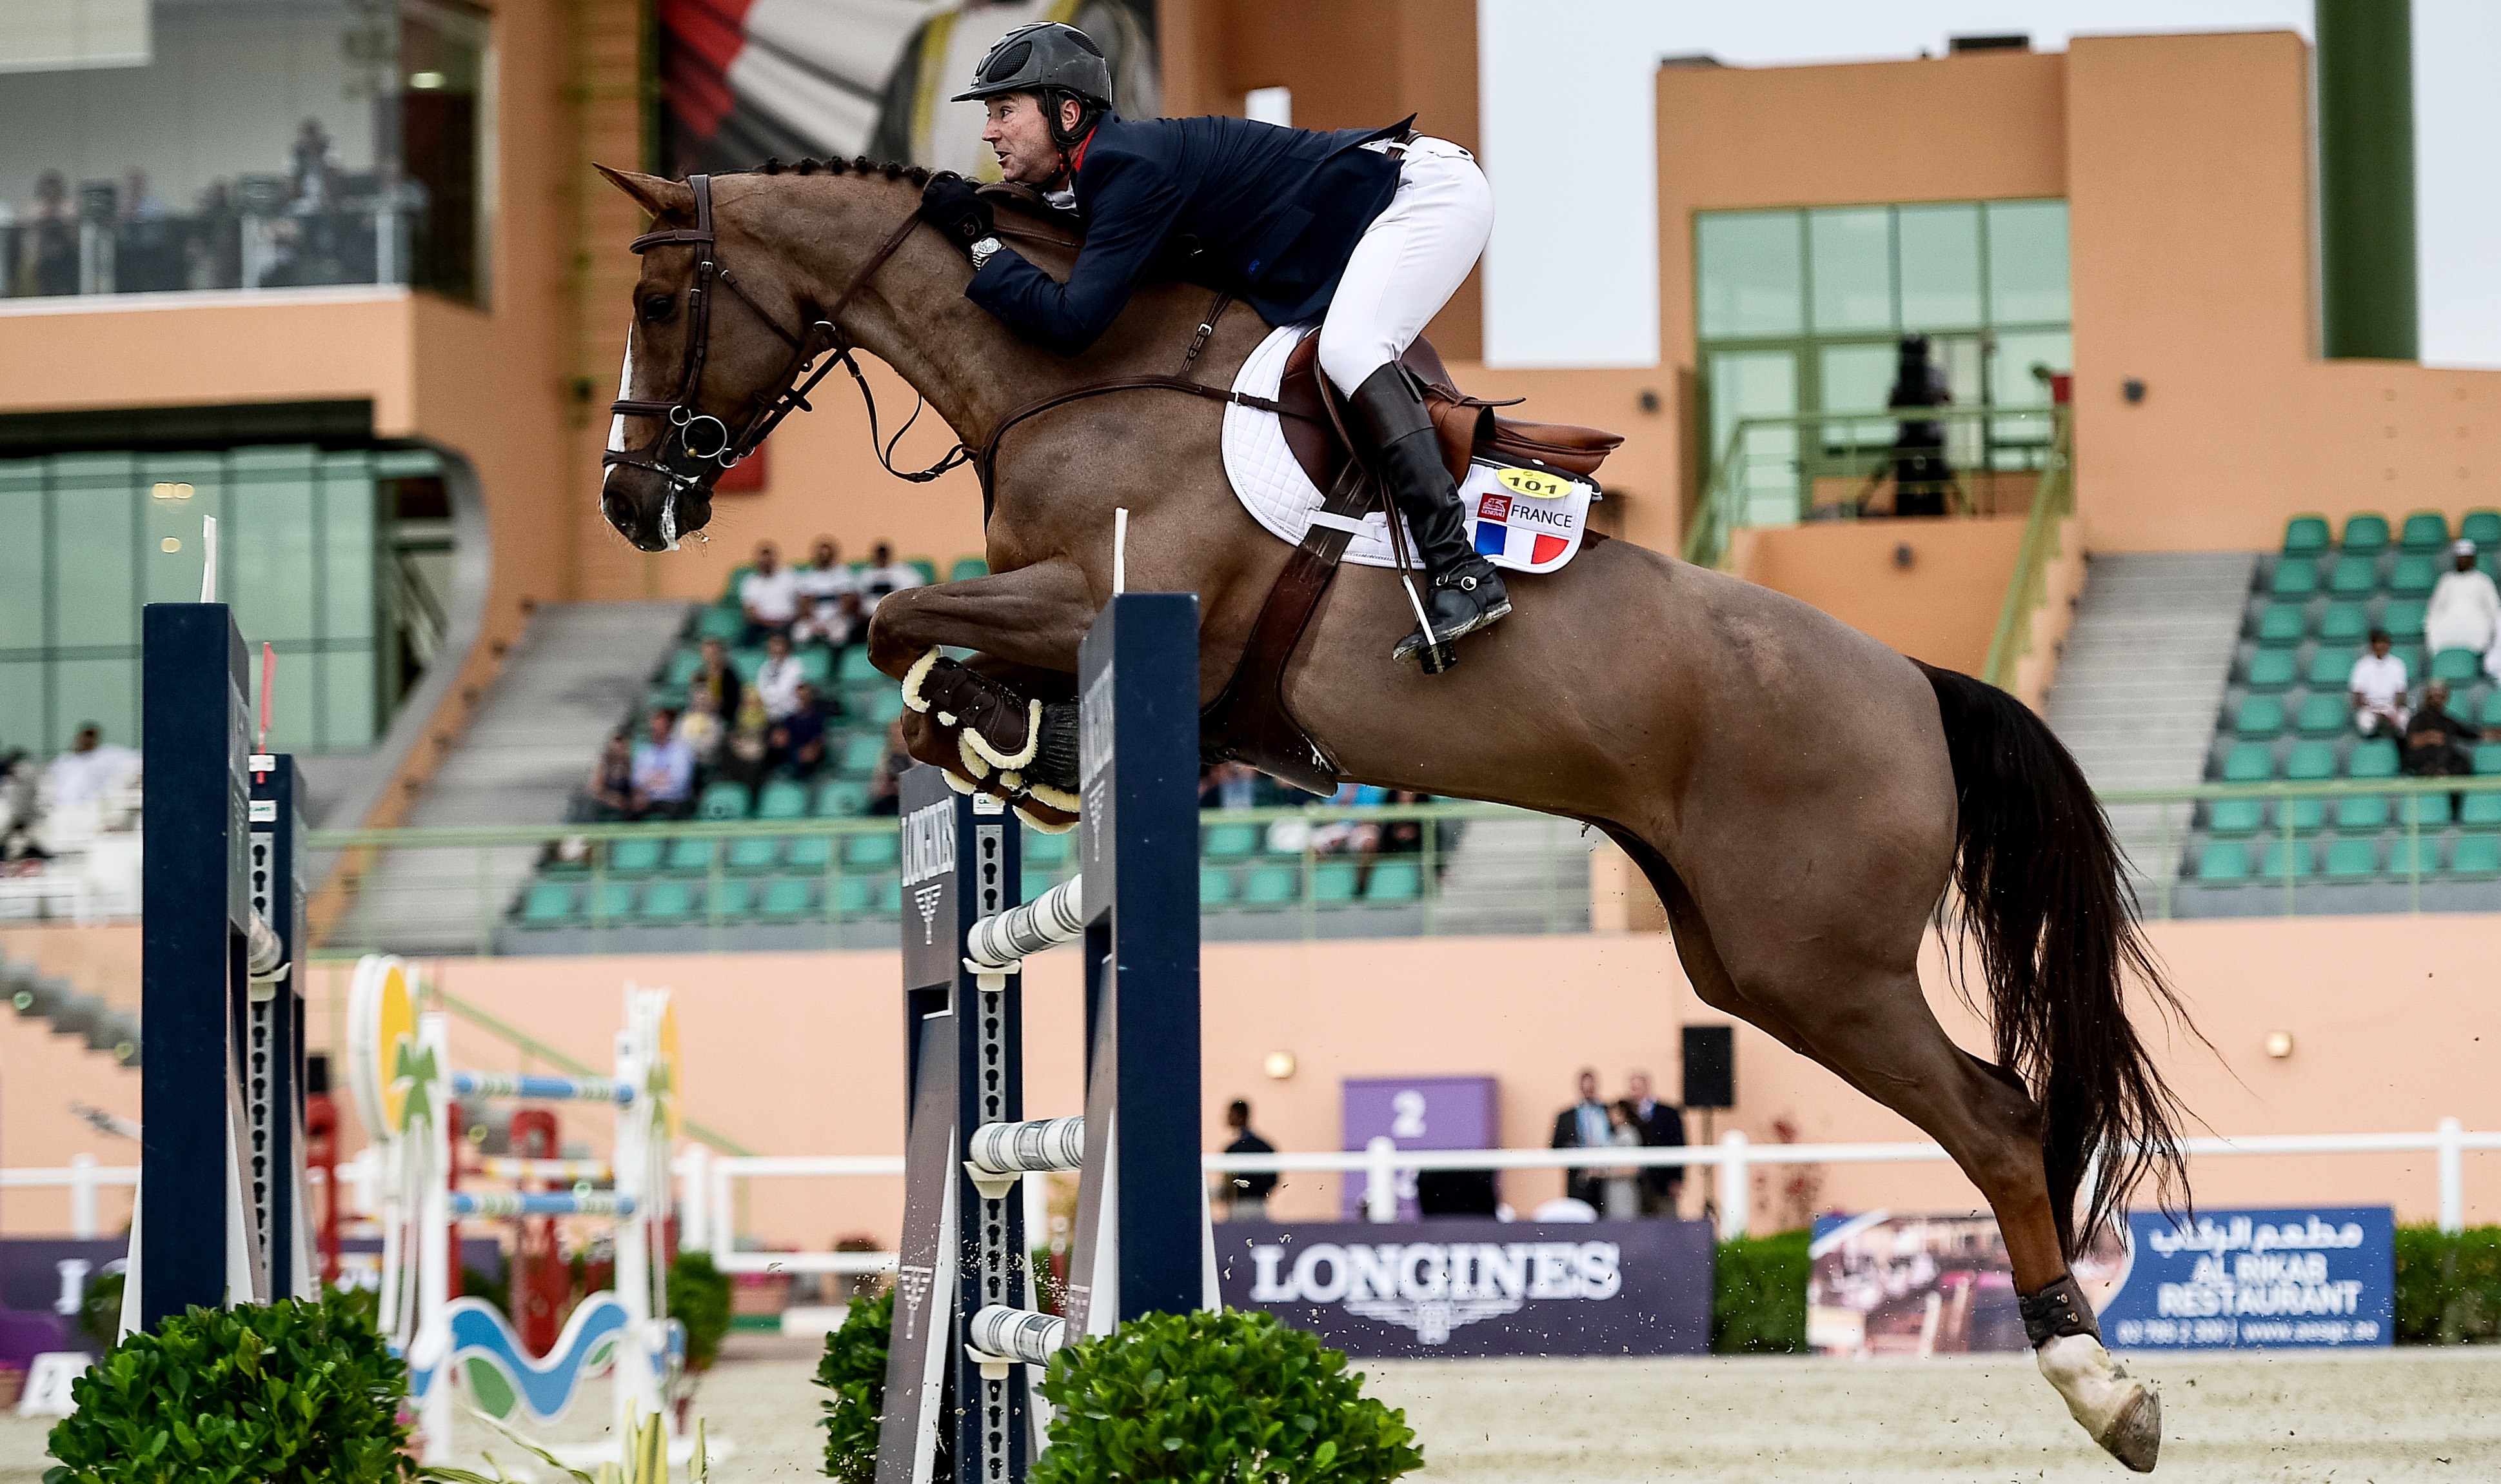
<point x="1527" y="520"/>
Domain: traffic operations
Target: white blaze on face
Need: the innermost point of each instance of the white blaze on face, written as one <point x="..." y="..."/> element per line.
<point x="625" y="389"/>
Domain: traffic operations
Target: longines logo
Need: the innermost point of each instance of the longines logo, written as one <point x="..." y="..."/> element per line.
<point x="929" y="842"/>
<point x="911" y="1281"/>
<point x="1433" y="1288"/>
<point x="925" y="898"/>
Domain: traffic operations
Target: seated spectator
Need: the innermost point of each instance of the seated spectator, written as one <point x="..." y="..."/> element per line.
<point x="2435" y="745"/>
<point x="745" y="757"/>
<point x="798" y="738"/>
<point x="664" y="772"/>
<point x="780" y="678"/>
<point x="2465" y="610"/>
<point x="1403" y="837"/>
<point x="703" y="730"/>
<point x="885" y="795"/>
<point x="1350" y="838"/>
<point x="836" y="623"/>
<point x="718" y="679"/>
<point x="1233" y="785"/>
<point x="825" y="577"/>
<point x="92" y="768"/>
<point x="609" y="796"/>
<point x="769" y="595"/>
<point x="2378" y="690"/>
<point x="886" y="575"/>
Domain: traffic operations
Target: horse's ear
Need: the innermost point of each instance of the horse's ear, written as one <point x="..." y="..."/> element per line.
<point x="663" y="198"/>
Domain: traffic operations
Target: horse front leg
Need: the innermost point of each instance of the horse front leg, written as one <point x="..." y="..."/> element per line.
<point x="994" y="724"/>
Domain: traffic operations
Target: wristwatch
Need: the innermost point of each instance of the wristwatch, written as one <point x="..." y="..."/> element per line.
<point x="983" y="250"/>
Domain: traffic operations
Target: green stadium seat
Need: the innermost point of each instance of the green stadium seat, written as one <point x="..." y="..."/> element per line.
<point x="864" y="754"/>
<point x="548" y="904"/>
<point x="783" y="799"/>
<point x="2305" y="535"/>
<point x="725" y="798"/>
<point x="787" y="898"/>
<point x="2332" y="667"/>
<point x="2307" y="815"/>
<point x="888" y="902"/>
<point x="812" y="853"/>
<point x="2413" y="577"/>
<point x="2345" y="624"/>
<point x="2491" y="715"/>
<point x="880" y="706"/>
<point x="2259" y="718"/>
<point x="2310" y="761"/>
<point x="664" y="698"/>
<point x="636" y="855"/>
<point x="864" y="853"/>
<point x="2477" y="855"/>
<point x="691" y="857"/>
<point x="2423" y="811"/>
<point x="2354" y="576"/>
<point x="2413" y="655"/>
<point x="1334" y="883"/>
<point x="726" y="622"/>
<point x="2416" y="856"/>
<point x="667" y="902"/>
<point x="752" y="855"/>
<point x="2323" y="713"/>
<point x="2480" y="811"/>
<point x="2272" y="670"/>
<point x="1215" y="886"/>
<point x="2458" y="666"/>
<point x="733" y="900"/>
<point x="856" y="670"/>
<point x="2248" y="762"/>
<point x="966" y="568"/>
<point x="1270" y="887"/>
<point x="683" y="662"/>
<point x="611" y="901"/>
<point x="927" y="569"/>
<point x="1038" y="880"/>
<point x="2294" y="577"/>
<point x="2373" y="757"/>
<point x="748" y="662"/>
<point x="737" y="575"/>
<point x="559" y="868"/>
<point x="2366" y="533"/>
<point x="2281" y="626"/>
<point x="2403" y="619"/>
<point x="1229" y="842"/>
<point x="2487" y="758"/>
<point x="2287" y="859"/>
<point x="1049" y="850"/>
<point x="2353" y="859"/>
<point x="2223" y="862"/>
<point x="1393" y="882"/>
<point x="2424" y="533"/>
<point x="842" y="800"/>
<point x="2235" y="816"/>
<point x="854" y="896"/>
<point x="2483" y="527"/>
<point x="2355" y="814"/>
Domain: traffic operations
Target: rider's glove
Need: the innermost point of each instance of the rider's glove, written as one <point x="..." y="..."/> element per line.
<point x="950" y="204"/>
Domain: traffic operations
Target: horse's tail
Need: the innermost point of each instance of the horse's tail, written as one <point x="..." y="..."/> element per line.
<point x="2043" y="897"/>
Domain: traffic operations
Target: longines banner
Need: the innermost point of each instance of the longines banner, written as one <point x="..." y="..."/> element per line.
<point x="1468" y="1287"/>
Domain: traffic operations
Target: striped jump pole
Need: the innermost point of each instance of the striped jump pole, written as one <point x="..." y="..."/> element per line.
<point x="964" y="1316"/>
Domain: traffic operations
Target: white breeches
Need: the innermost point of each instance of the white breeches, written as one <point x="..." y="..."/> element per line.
<point x="1409" y="262"/>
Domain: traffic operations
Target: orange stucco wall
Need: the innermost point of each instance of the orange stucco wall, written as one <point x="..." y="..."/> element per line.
<point x="1940" y="606"/>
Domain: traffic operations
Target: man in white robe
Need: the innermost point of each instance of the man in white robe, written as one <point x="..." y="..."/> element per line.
<point x="2465" y="611"/>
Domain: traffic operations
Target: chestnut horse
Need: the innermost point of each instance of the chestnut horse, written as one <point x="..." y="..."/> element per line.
<point x="1800" y="796"/>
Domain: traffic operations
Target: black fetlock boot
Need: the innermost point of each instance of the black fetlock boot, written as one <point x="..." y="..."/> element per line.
<point x="1465" y="592"/>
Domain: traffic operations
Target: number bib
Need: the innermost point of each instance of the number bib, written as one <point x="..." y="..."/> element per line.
<point x="1527" y="518"/>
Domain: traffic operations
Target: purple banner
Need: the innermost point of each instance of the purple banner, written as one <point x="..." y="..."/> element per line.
<point x="1408" y="1290"/>
<point x="1415" y="1113"/>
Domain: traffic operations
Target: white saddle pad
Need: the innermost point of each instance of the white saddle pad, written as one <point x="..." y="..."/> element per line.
<point x="1528" y="520"/>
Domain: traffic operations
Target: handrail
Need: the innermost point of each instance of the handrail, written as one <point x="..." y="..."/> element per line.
<point x="2053" y="500"/>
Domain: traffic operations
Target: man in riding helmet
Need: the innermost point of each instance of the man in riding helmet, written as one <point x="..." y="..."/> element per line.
<point x="1368" y="231"/>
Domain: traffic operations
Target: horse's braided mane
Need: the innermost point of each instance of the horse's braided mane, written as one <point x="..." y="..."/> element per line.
<point x="918" y="175"/>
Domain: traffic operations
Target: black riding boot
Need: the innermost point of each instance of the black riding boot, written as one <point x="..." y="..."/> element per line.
<point x="1466" y="591"/>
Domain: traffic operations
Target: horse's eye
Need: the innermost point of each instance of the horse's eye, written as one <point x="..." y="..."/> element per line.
<point x="657" y="307"/>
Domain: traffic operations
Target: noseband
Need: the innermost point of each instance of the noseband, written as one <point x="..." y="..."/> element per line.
<point x="711" y="444"/>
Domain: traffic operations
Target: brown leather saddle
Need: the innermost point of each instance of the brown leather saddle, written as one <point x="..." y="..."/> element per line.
<point x="1469" y="427"/>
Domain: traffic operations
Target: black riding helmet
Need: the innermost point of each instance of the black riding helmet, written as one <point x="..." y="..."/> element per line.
<point x="1050" y="61"/>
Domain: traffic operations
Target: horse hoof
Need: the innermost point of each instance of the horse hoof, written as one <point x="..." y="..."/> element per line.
<point x="2135" y="1437"/>
<point x="2121" y="1413"/>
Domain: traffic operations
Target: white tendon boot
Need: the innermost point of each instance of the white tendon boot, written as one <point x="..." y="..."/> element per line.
<point x="2122" y="1413"/>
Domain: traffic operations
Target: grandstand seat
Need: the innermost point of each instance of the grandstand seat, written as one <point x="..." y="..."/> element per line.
<point x="2344" y="624"/>
<point x="1229" y="842"/>
<point x="812" y="853"/>
<point x="2403" y="619"/>
<point x="2491" y="715"/>
<point x="635" y="855"/>
<point x="2366" y="533"/>
<point x="856" y="670"/>
<point x="854" y="896"/>
<point x="842" y="800"/>
<point x="2458" y="666"/>
<point x="2353" y="859"/>
<point x="2423" y="811"/>
<point x="2286" y="859"/>
<point x="558" y="867"/>
<point x="2413" y="655"/>
<point x="2248" y="762"/>
<point x="2323" y="713"/>
<point x="2332" y="666"/>
<point x="2261" y="717"/>
<point x="2281" y="626"/>
<point x="787" y="898"/>
<point x="2477" y="855"/>
<point x="611" y="901"/>
<point x="2373" y="757"/>
<point x="888" y="900"/>
<point x="2487" y="758"/>
<point x="2480" y="811"/>
<point x="965" y="569"/>
<point x="783" y="799"/>
<point x="1038" y="880"/>
<point x="691" y="857"/>
<point x="2361" y="812"/>
<point x="927" y="569"/>
<point x="748" y="662"/>
<point x="864" y="754"/>
<point x="880" y="705"/>
<point x="2483" y="527"/>
<point x="725" y="622"/>
<point x="2418" y="856"/>
<point x="2307" y="815"/>
<point x="752" y="855"/>
<point x="863" y="852"/>
<point x="2294" y="577"/>
<point x="547" y="904"/>
<point x="1334" y="883"/>
<point x="1215" y="886"/>
<point x="666" y="903"/>
<point x="2354" y="576"/>
<point x="1393" y="881"/>
<point x="2223" y="862"/>
<point x="1046" y="850"/>
<point x="724" y="799"/>
<point x="2272" y="669"/>
<point x="2424" y="533"/>
<point x="2310" y="761"/>
<point x="2235" y="816"/>
<point x="2413" y="576"/>
<point x="665" y="697"/>
<point x="2305" y="535"/>
<point x="732" y="901"/>
<point x="1271" y="886"/>
<point x="683" y="662"/>
<point x="737" y="575"/>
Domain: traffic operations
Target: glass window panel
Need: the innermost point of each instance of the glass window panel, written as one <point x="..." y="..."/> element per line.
<point x="269" y="558"/>
<point x="105" y="691"/>
<point x="1748" y="274"/>
<point x="94" y="593"/>
<point x="23" y="722"/>
<point x="1853" y="268"/>
<point x="349" y="554"/>
<point x="1856" y="377"/>
<point x="176" y="494"/>
<point x="1753" y="384"/>
<point x="2027" y="261"/>
<point x="21" y="559"/>
<point x="294" y="721"/>
<point x="1940" y="266"/>
<point x="346" y="701"/>
<point x="2011" y="382"/>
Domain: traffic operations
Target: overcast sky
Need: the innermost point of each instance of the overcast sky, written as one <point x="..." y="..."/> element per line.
<point x="1567" y="84"/>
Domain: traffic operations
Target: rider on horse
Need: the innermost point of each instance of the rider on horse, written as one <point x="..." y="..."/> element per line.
<point x="1369" y="231"/>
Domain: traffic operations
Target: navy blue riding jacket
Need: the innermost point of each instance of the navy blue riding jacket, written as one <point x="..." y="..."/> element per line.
<point x="1270" y="213"/>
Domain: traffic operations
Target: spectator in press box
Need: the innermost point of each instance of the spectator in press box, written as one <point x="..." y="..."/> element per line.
<point x="610" y="791"/>
<point x="769" y="595"/>
<point x="1584" y="1125"/>
<point x="664" y="771"/>
<point x="1244" y="1193"/>
<point x="778" y="678"/>
<point x="2465" y="610"/>
<point x="1663" y="1127"/>
<point x="886" y="575"/>
<point x="718" y="679"/>
<point x="2378" y="690"/>
<point x="799" y="736"/>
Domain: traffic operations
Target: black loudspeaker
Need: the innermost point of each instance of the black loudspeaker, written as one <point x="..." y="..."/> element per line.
<point x="1456" y="1192"/>
<point x="317" y="1075"/>
<point x="1709" y="1066"/>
